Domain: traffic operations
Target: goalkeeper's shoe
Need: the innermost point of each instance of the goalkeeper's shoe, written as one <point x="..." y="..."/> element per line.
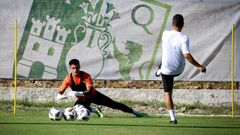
<point x="99" y="112"/>
<point x="173" y="122"/>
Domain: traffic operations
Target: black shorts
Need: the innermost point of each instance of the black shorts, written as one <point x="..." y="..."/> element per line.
<point x="168" y="82"/>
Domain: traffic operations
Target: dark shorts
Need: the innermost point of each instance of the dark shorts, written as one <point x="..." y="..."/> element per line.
<point x="168" y="82"/>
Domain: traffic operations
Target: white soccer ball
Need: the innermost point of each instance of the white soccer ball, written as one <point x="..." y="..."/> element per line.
<point x="55" y="114"/>
<point x="82" y="112"/>
<point x="78" y="107"/>
<point x="69" y="114"/>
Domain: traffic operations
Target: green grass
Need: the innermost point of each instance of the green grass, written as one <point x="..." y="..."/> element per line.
<point x="23" y="105"/>
<point x="37" y="123"/>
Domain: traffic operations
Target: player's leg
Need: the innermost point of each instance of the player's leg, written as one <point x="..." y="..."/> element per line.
<point x="98" y="111"/>
<point x="168" y="90"/>
<point x="170" y="107"/>
<point x="87" y="104"/>
<point x="168" y="100"/>
<point x="101" y="99"/>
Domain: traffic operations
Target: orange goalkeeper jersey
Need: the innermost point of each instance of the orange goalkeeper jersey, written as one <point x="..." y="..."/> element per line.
<point x="78" y="79"/>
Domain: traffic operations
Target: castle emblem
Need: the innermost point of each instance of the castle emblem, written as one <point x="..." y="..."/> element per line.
<point x="43" y="49"/>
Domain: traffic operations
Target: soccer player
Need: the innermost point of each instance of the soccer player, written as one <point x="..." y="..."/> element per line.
<point x="82" y="85"/>
<point x="175" y="49"/>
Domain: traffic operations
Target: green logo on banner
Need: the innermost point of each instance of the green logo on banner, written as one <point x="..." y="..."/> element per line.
<point x="59" y="30"/>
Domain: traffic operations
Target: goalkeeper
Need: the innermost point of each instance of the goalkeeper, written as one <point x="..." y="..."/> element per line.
<point x="82" y="86"/>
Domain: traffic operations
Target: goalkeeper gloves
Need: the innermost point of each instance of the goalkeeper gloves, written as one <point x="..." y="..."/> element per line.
<point x="60" y="97"/>
<point x="76" y="94"/>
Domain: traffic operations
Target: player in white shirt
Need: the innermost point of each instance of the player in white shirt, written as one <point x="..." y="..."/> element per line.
<point x="175" y="49"/>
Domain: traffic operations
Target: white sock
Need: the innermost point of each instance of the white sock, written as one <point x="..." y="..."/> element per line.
<point x="135" y="112"/>
<point x="175" y="114"/>
<point x="172" y="114"/>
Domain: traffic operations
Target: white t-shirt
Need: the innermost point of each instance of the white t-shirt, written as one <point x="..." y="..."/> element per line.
<point x="174" y="45"/>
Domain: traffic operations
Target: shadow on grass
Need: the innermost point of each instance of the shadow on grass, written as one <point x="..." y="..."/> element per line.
<point x="121" y="125"/>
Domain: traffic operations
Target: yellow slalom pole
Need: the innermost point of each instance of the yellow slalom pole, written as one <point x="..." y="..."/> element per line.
<point x="15" y="65"/>
<point x="232" y="70"/>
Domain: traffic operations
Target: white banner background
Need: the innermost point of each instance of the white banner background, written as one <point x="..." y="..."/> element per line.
<point x="207" y="23"/>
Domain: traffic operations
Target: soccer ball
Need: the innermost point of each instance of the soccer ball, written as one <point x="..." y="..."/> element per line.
<point x="55" y="114"/>
<point x="82" y="112"/>
<point x="69" y="114"/>
<point x="78" y="107"/>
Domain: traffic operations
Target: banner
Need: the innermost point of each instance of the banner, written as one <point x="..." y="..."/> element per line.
<point x="115" y="39"/>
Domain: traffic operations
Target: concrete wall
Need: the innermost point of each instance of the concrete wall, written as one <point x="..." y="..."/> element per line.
<point x="181" y="96"/>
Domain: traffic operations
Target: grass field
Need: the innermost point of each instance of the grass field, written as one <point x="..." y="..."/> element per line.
<point x="37" y="123"/>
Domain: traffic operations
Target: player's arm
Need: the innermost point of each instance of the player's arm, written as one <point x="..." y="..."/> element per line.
<point x="60" y="95"/>
<point x="62" y="89"/>
<point x="89" y="90"/>
<point x="191" y="60"/>
<point x="63" y="86"/>
<point x="89" y="86"/>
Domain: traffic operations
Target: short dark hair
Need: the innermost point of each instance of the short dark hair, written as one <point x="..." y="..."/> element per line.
<point x="178" y="20"/>
<point x="74" y="61"/>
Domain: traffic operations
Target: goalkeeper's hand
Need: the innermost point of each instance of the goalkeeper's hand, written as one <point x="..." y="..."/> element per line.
<point x="60" y="97"/>
<point x="75" y="94"/>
